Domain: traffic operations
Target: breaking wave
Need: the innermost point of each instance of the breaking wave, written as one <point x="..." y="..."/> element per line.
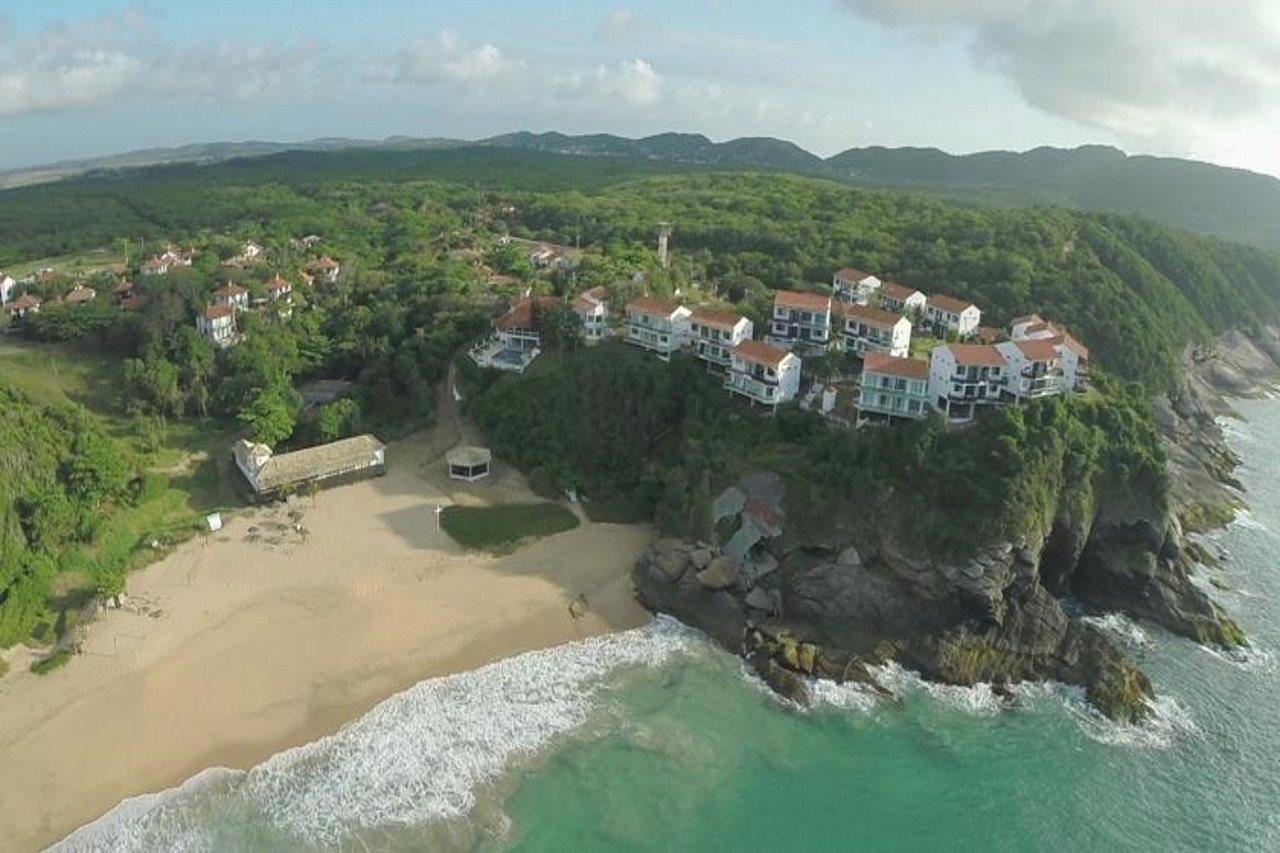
<point x="419" y="757"/>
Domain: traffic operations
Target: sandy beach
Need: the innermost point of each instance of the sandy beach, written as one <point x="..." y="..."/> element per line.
<point x="248" y="641"/>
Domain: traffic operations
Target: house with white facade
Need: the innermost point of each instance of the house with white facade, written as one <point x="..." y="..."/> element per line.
<point x="658" y="325"/>
<point x="1073" y="356"/>
<point x="280" y="290"/>
<point x="852" y="285"/>
<point x="763" y="374"/>
<point x="218" y="325"/>
<point x="168" y="260"/>
<point x="800" y="321"/>
<point x="902" y="299"/>
<point x="518" y="335"/>
<point x="327" y="269"/>
<point x="7" y="284"/>
<point x="713" y="334"/>
<point x="232" y="295"/>
<point x="1034" y="368"/>
<point x="862" y="329"/>
<point x="893" y="387"/>
<point x="592" y="308"/>
<point x="948" y="314"/>
<point x="964" y="377"/>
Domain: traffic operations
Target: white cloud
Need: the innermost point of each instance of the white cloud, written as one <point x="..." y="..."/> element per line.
<point x="634" y="81"/>
<point x="98" y="62"/>
<point x="1174" y="73"/>
<point x="446" y="59"/>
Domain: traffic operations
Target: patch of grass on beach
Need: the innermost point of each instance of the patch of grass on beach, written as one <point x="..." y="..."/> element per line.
<point x="499" y="529"/>
<point x="57" y="660"/>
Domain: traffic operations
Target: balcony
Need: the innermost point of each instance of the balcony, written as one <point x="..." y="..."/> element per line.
<point x="761" y="390"/>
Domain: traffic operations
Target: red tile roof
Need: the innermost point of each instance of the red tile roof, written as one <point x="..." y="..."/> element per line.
<point x="527" y="312"/>
<point x="1040" y="349"/>
<point x="868" y="315"/>
<point x="230" y="290"/>
<point x="81" y="295"/>
<point x="325" y="263"/>
<point x="977" y="355"/>
<point x="278" y="283"/>
<point x="802" y="301"/>
<point x="653" y="307"/>
<point x="907" y="368"/>
<point x="1065" y="339"/>
<point x="949" y="303"/>
<point x="726" y="320"/>
<point x="215" y="312"/>
<point x="23" y="302"/>
<point x="851" y="275"/>
<point x="900" y="292"/>
<point x="761" y="353"/>
<point x="1030" y="318"/>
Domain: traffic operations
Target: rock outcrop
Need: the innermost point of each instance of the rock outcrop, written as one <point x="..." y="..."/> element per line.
<point x="831" y="608"/>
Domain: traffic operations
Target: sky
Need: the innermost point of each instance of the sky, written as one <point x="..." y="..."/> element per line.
<point x="1187" y="78"/>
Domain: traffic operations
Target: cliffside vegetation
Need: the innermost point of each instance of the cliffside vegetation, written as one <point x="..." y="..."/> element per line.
<point x="665" y="439"/>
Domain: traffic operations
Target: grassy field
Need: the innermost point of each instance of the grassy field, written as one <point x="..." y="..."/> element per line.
<point x="186" y="474"/>
<point x="83" y="263"/>
<point x="499" y="529"/>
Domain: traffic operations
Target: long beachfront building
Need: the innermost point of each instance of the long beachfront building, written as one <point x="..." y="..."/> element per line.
<point x="271" y="476"/>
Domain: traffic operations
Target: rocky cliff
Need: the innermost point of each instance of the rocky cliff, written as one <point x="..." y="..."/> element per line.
<point x="830" y="608"/>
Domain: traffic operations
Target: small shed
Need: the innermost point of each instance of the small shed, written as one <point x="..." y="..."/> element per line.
<point x="468" y="463"/>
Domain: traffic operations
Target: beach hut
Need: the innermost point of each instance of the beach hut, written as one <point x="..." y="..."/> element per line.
<point x="468" y="464"/>
<point x="272" y="476"/>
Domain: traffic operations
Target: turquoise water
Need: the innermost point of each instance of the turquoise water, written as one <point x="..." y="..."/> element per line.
<point x="656" y="740"/>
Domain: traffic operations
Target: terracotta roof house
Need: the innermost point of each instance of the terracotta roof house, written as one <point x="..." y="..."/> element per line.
<point x="232" y="296"/>
<point x="892" y="387"/>
<point x="862" y="329"/>
<point x="901" y="298"/>
<point x="964" y="377"/>
<point x="81" y="295"/>
<point x="714" y="334"/>
<point x="763" y="373"/>
<point x="592" y="309"/>
<point x="661" y="326"/>
<point x="947" y="314"/>
<point x="800" y="320"/>
<point x="217" y="323"/>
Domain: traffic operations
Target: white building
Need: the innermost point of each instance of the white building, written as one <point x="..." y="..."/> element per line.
<point x="1073" y="356"/>
<point x="893" y="387"/>
<point x="659" y="325"/>
<point x="851" y="285"/>
<point x="326" y="268"/>
<point x="715" y="333"/>
<point x="963" y="377"/>
<point x="763" y="374"/>
<point x="1034" y="368"/>
<point x="948" y="314"/>
<point x="518" y="335"/>
<point x="338" y="462"/>
<point x="232" y="295"/>
<point x="593" y="310"/>
<point x="863" y="329"/>
<point x="902" y="299"/>
<point x="279" y="289"/>
<point x="800" y="320"/>
<point x="20" y="308"/>
<point x="218" y="325"/>
<point x="7" y="284"/>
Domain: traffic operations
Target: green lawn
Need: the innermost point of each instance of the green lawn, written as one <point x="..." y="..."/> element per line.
<point x="499" y="529"/>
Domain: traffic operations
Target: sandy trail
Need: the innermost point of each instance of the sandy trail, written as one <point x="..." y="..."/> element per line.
<point x="254" y="639"/>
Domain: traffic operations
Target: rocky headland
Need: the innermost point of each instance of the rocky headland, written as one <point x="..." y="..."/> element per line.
<point x="835" y="604"/>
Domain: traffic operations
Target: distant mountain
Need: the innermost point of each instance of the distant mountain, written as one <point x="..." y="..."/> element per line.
<point x="1231" y="203"/>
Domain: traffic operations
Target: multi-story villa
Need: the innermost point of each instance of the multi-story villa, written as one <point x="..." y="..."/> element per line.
<point x="1073" y="356"/>
<point x="851" y="285"/>
<point x="659" y="325"/>
<point x="1034" y="368"/>
<point x="902" y="299"/>
<point x="763" y="374"/>
<point x="218" y="325"/>
<point x="800" y="320"/>
<point x="893" y="388"/>
<point x="279" y="289"/>
<point x="948" y="314"/>
<point x="232" y="296"/>
<point x="963" y="377"/>
<point x="593" y="310"/>
<point x="714" y="333"/>
<point x="863" y="329"/>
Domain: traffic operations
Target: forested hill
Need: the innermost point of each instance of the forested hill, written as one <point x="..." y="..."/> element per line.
<point x="1136" y="292"/>
<point x="1232" y="203"/>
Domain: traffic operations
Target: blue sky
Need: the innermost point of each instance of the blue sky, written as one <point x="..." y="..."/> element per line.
<point x="86" y="77"/>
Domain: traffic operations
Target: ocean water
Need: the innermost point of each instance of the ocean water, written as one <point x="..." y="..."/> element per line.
<point x="655" y="740"/>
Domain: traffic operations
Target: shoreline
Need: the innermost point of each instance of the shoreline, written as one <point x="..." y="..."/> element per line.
<point x="244" y="643"/>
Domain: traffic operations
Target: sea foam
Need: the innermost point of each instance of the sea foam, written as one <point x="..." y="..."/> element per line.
<point x="417" y="758"/>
